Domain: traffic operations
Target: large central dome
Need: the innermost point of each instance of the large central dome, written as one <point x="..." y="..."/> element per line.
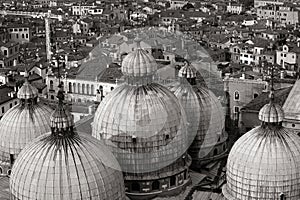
<point x="265" y="162"/>
<point x="143" y="121"/>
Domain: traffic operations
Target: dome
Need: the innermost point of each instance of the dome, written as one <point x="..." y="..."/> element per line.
<point x="271" y="113"/>
<point x="145" y="124"/>
<point x="187" y="71"/>
<point x="22" y="123"/>
<point x="262" y="164"/>
<point x="139" y="63"/>
<point x="204" y="113"/>
<point x="27" y="91"/>
<point x="265" y="162"/>
<point x="64" y="164"/>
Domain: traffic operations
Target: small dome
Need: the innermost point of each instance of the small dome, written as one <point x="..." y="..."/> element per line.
<point x="146" y="125"/>
<point x="66" y="165"/>
<point x="139" y="64"/>
<point x="22" y="123"/>
<point x="262" y="164"/>
<point x="187" y="71"/>
<point x="61" y="119"/>
<point x="27" y="91"/>
<point x="271" y="113"/>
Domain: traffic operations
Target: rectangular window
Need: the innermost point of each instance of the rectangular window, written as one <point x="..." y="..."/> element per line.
<point x="2" y="110"/>
<point x="236" y="109"/>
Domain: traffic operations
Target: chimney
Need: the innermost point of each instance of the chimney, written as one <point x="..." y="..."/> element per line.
<point x="243" y="76"/>
<point x="91" y="109"/>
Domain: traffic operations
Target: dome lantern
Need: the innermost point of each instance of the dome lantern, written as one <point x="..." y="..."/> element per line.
<point x="139" y="66"/>
<point x="61" y="121"/>
<point x="188" y="73"/>
<point x="27" y="93"/>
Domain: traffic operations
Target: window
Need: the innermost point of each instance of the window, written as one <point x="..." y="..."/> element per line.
<point x="255" y="95"/>
<point x="215" y="152"/>
<point x="2" y="109"/>
<point x="172" y="180"/>
<point x="17" y="35"/>
<point x="135" y="186"/>
<point x="236" y="109"/>
<point x="20" y="29"/>
<point x="155" y="185"/>
<point x="16" y="102"/>
<point x="10" y="105"/>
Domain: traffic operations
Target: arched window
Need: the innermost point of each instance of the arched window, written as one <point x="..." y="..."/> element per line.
<point x="51" y="85"/>
<point x="236" y="96"/>
<point x="87" y="89"/>
<point x="78" y="88"/>
<point x="1" y="170"/>
<point x="74" y="87"/>
<point x="111" y="88"/>
<point x="12" y="159"/>
<point x="92" y="89"/>
<point x="155" y="185"/>
<point x="135" y="187"/>
<point x="255" y="95"/>
<point x="83" y="89"/>
<point x="9" y="172"/>
<point x="215" y="152"/>
<point x="173" y="181"/>
<point x="70" y="87"/>
<point x="52" y="97"/>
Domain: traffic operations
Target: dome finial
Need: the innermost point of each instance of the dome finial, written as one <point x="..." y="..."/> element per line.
<point x="138" y="41"/>
<point x="26" y="75"/>
<point x="60" y="95"/>
<point x="61" y="119"/>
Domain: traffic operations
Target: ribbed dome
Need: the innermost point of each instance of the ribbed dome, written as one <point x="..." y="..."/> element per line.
<point x="204" y="115"/>
<point x="262" y="164"/>
<point x="187" y="71"/>
<point x="65" y="165"/>
<point x="139" y="64"/>
<point x="22" y="123"/>
<point x="265" y="162"/>
<point x="27" y="91"/>
<point x="271" y="113"/>
<point x="146" y="126"/>
<point x="77" y="168"/>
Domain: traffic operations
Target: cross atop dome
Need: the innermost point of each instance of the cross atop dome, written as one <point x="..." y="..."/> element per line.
<point x="271" y="112"/>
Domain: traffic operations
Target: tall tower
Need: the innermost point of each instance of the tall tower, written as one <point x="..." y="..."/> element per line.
<point x="48" y="42"/>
